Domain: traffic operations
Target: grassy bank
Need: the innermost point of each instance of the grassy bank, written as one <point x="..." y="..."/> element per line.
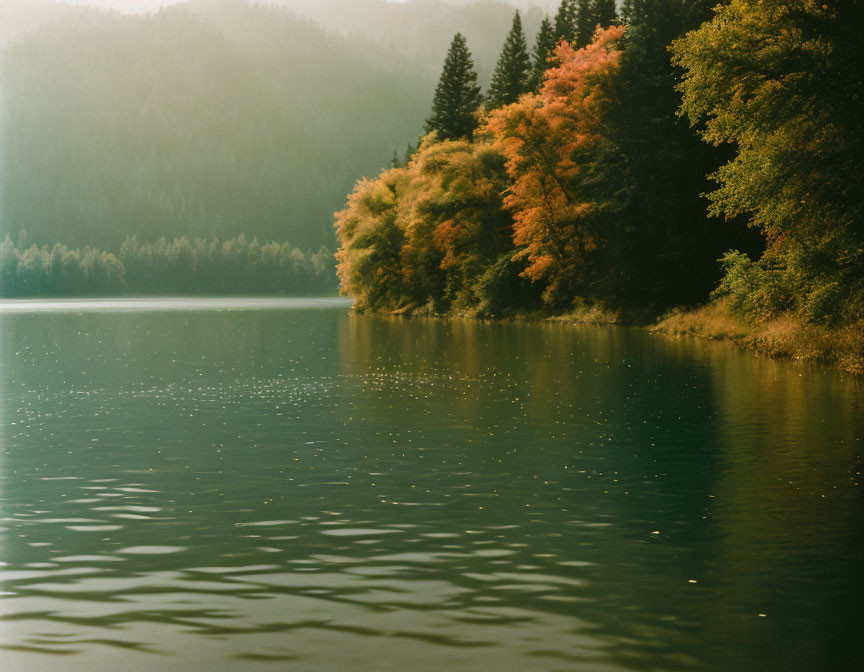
<point x="786" y="337"/>
<point x="594" y="315"/>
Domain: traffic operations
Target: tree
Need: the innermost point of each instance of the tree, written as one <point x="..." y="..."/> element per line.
<point x="661" y="246"/>
<point x="630" y="10"/>
<point x="552" y="142"/>
<point x="565" y="21"/>
<point x="604" y="13"/>
<point x="371" y="239"/>
<point x="584" y="22"/>
<point x="513" y="71"/>
<point x="432" y="234"/>
<point x="457" y="97"/>
<point x="459" y="201"/>
<point x="544" y="45"/>
<point x="691" y="13"/>
<point x="780" y="82"/>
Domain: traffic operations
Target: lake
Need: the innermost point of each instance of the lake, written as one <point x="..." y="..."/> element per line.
<point x="279" y="485"/>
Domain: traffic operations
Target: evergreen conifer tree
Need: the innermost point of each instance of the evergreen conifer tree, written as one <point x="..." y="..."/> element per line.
<point x="410" y="150"/>
<point x="586" y="22"/>
<point x="631" y="10"/>
<point x="543" y="47"/>
<point x="565" y="21"/>
<point x="604" y="12"/>
<point x="457" y="96"/>
<point x="513" y="71"/>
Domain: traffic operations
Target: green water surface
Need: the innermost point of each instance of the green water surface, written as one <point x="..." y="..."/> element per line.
<point x="213" y="487"/>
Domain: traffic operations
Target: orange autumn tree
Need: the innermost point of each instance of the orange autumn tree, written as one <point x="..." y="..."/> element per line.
<point x="370" y="242"/>
<point x="432" y="235"/>
<point x="554" y="143"/>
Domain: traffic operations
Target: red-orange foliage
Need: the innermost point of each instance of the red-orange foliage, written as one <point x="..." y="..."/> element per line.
<point x="424" y="233"/>
<point x="551" y="141"/>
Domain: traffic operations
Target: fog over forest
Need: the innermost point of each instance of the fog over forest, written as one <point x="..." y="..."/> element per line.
<point x="331" y="8"/>
<point x="215" y="118"/>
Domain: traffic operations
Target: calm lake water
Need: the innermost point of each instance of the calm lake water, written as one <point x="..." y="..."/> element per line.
<point x="205" y="487"/>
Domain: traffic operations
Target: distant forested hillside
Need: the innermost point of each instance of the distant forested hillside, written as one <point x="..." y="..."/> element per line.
<point x="417" y="33"/>
<point x="215" y="117"/>
<point x="21" y="16"/>
<point x="209" y="119"/>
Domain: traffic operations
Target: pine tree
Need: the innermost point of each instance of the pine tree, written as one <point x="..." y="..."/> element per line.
<point x="586" y="22"/>
<point x="457" y="96"/>
<point x="632" y="11"/>
<point x="604" y="12"/>
<point x="543" y="47"/>
<point x="565" y="21"/>
<point x="513" y="71"/>
<point x="410" y="150"/>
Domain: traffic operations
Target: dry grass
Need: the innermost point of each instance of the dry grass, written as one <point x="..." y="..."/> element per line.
<point x="578" y="315"/>
<point x="589" y="315"/>
<point x="786" y="337"/>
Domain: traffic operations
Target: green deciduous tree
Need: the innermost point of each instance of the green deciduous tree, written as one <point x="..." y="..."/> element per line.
<point x="780" y="82"/>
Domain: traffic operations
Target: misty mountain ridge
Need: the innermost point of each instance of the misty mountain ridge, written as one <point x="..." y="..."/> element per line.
<point x="216" y="117"/>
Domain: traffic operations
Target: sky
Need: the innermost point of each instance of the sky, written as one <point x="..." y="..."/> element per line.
<point x="141" y="6"/>
<point x="126" y="6"/>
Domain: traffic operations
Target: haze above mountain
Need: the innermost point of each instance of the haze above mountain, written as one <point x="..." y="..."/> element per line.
<point x="141" y="6"/>
<point x="215" y="117"/>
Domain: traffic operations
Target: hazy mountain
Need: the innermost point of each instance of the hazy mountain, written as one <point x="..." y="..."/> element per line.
<point x="138" y="6"/>
<point x="21" y="16"/>
<point x="419" y="31"/>
<point x="416" y="30"/>
<point x="215" y="117"/>
<point x="125" y="6"/>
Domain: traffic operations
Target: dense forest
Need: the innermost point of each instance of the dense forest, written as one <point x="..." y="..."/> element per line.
<point x="667" y="152"/>
<point x="180" y="266"/>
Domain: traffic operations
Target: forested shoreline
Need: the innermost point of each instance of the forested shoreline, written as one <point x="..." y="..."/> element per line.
<point x="178" y="267"/>
<point x="636" y="165"/>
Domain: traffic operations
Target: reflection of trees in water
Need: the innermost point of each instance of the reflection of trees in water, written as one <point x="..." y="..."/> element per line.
<point x="347" y="459"/>
<point x="719" y="450"/>
<point x="788" y="510"/>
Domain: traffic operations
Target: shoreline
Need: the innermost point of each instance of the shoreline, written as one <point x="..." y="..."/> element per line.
<point x="784" y="338"/>
<point x="137" y="304"/>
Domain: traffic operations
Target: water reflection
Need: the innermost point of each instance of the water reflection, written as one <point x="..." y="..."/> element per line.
<point x="233" y="490"/>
